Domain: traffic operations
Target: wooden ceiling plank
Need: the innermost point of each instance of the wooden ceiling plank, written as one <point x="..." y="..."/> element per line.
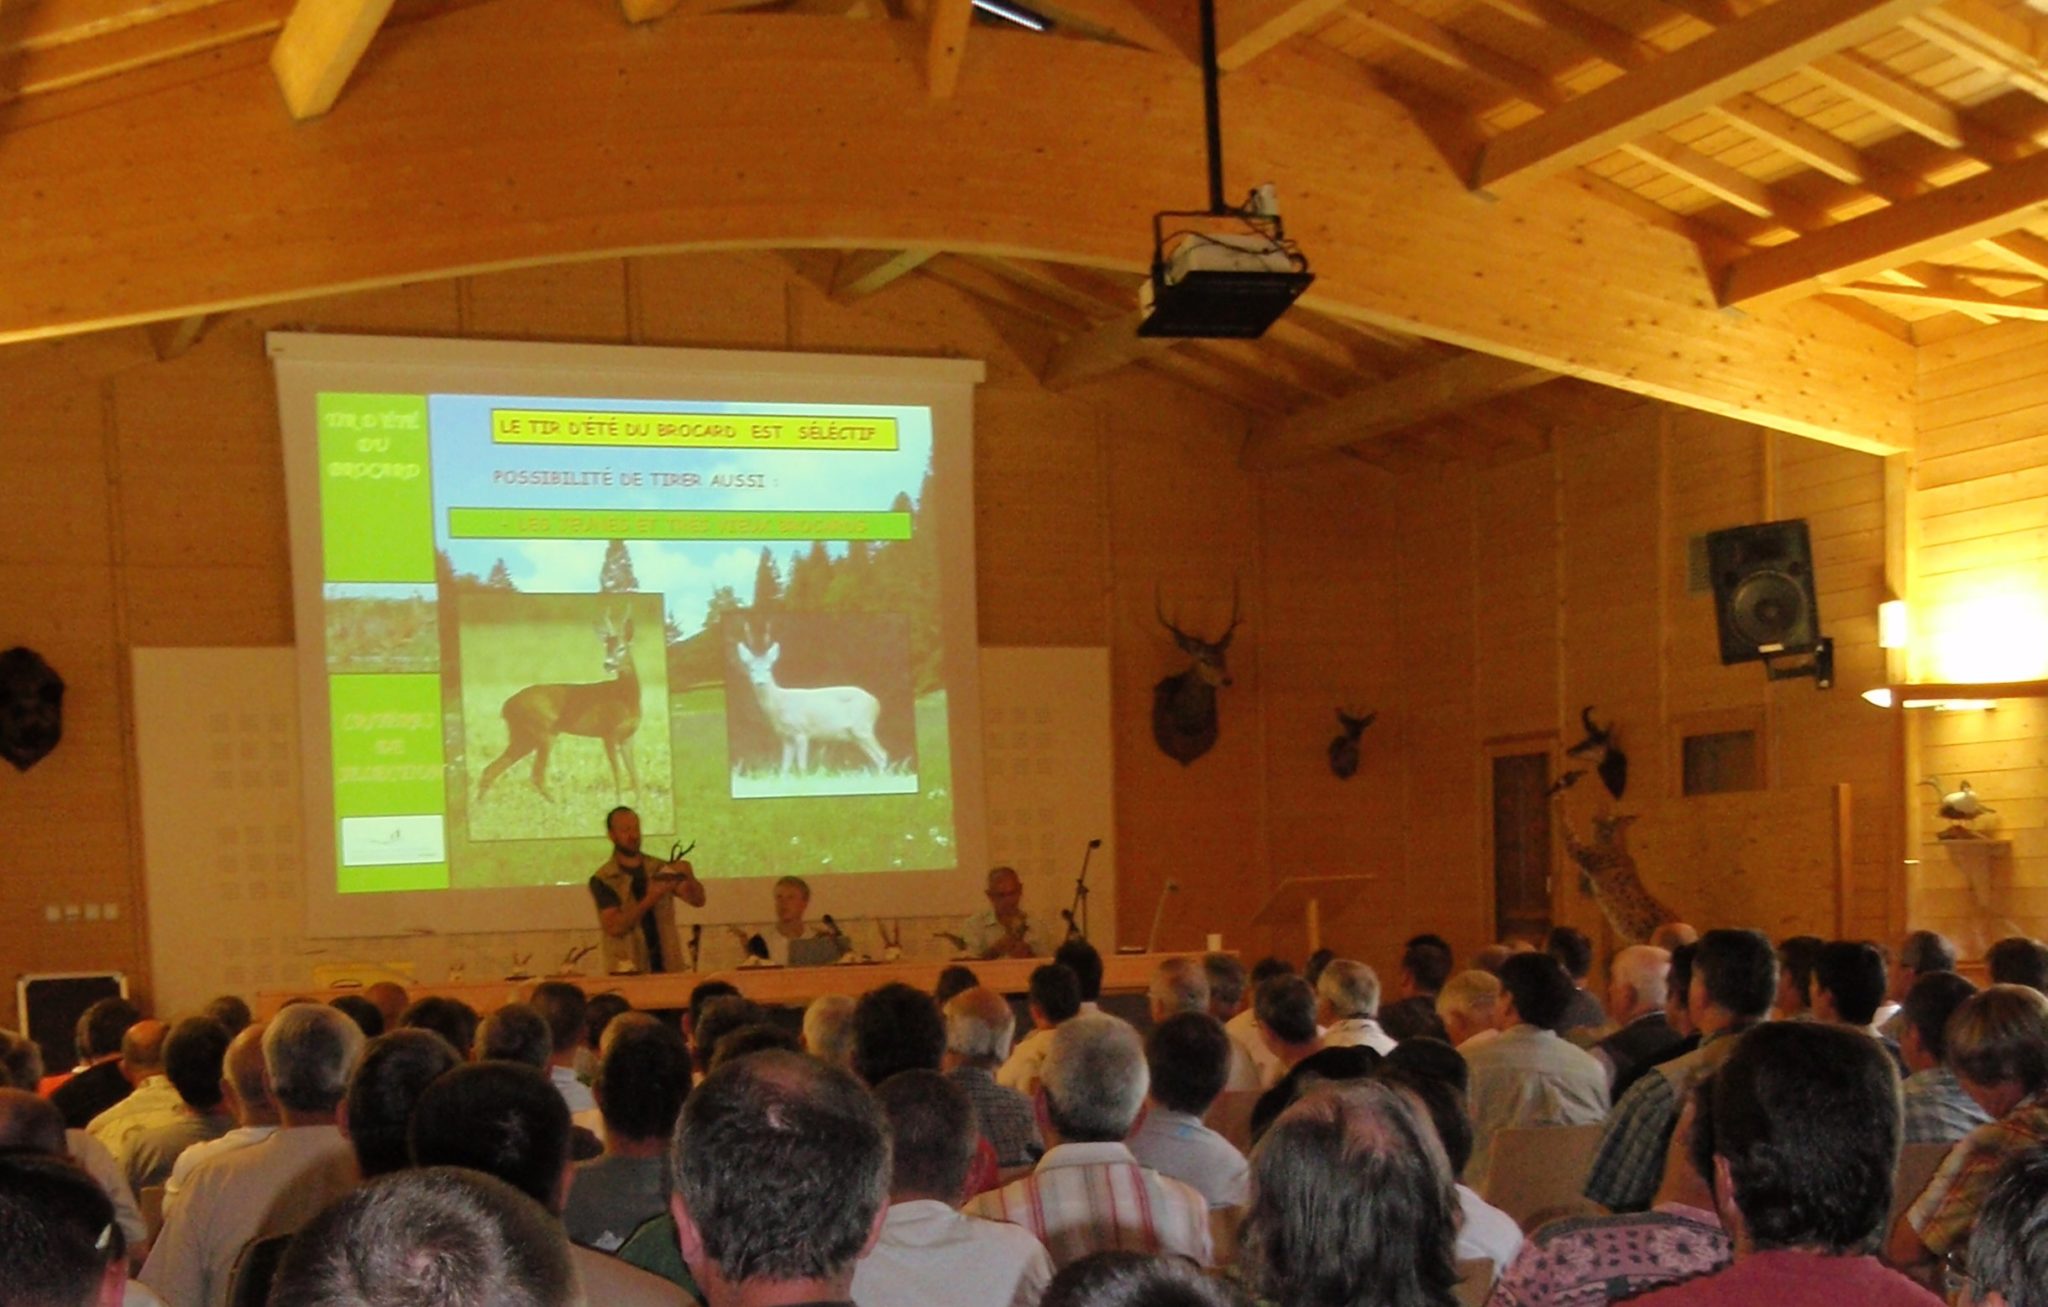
<point x="976" y="282"/>
<point x="1717" y="179"/>
<point x="320" y="46"/>
<point x="1976" y="304"/>
<point x="1084" y="292"/>
<point x="129" y="49"/>
<point x="1794" y="136"/>
<point x="2021" y="248"/>
<point x="1454" y="50"/>
<point x="1623" y="49"/>
<point x="1932" y="277"/>
<point x="1756" y="49"/>
<point x="1100" y="350"/>
<point x="1908" y="106"/>
<point x="1989" y="204"/>
<point x="1199" y="374"/>
<point x="53" y="23"/>
<point x="1246" y="29"/>
<point x="946" y="23"/>
<point x="1390" y="406"/>
<point x="1993" y="39"/>
<point x="863" y="272"/>
<point x="176" y="337"/>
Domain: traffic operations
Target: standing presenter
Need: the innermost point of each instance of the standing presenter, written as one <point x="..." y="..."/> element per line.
<point x="635" y="897"/>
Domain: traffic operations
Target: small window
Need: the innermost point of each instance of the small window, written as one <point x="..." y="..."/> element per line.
<point x="1721" y="762"/>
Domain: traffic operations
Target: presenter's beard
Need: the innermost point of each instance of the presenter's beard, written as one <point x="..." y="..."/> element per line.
<point x="625" y="852"/>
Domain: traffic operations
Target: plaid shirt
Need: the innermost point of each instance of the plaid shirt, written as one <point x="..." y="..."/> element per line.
<point x="1090" y="1197"/>
<point x="1946" y="1209"/>
<point x="1937" y="1109"/>
<point x="1007" y="1120"/>
<point x="1630" y="1161"/>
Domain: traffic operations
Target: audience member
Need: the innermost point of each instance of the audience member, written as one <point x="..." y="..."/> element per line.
<point x="1188" y="1057"/>
<point x="369" y="1018"/>
<point x="1489" y="958"/>
<point x="152" y="1100"/>
<point x="506" y="1120"/>
<point x="514" y="1033"/>
<point x="1119" y="1279"/>
<point x="30" y="1124"/>
<point x="896" y="1028"/>
<point x="1848" y="985"/>
<point x="828" y="1029"/>
<point x="778" y="1178"/>
<point x="1673" y="935"/>
<point x="1080" y="957"/>
<point x="1588" y="1261"/>
<point x="979" y="1024"/>
<point x="1734" y="979"/>
<point x="392" y="1074"/>
<point x="1574" y="952"/>
<point x="599" y="1011"/>
<point x="640" y="1088"/>
<point x="194" y="1053"/>
<point x="1312" y="970"/>
<point x="1937" y="1111"/>
<point x="1637" y="985"/>
<point x="248" y="1102"/>
<point x="1352" y="1205"/>
<point x="1469" y="1005"/>
<point x="99" y="1083"/>
<point x="270" y="1187"/>
<point x="1677" y="1001"/>
<point x="450" y="1018"/>
<point x="929" y="1251"/>
<point x="391" y="1000"/>
<point x="567" y="1014"/>
<point x="1227" y="985"/>
<point x="1088" y="1192"/>
<point x="1347" y="1005"/>
<point x="953" y="980"/>
<point x="1425" y="966"/>
<point x="1806" y="1137"/>
<point x="441" y="1235"/>
<point x="2008" y="1259"/>
<point x="1179" y="985"/>
<point x="1485" y="1233"/>
<point x="1796" y="958"/>
<point x="232" y="1011"/>
<point x="33" y="1124"/>
<point x="1404" y="1021"/>
<point x="1529" y="1076"/>
<point x="755" y="1038"/>
<point x="716" y="1018"/>
<point x="59" y="1245"/>
<point x="702" y="994"/>
<point x="1921" y="953"/>
<point x="1998" y="1048"/>
<point x="1284" y="1010"/>
<point x="1055" y="998"/>
<point x="2019" y="961"/>
<point x="1331" y="1065"/>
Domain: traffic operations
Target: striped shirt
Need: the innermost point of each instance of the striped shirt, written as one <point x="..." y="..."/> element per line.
<point x="1090" y="1198"/>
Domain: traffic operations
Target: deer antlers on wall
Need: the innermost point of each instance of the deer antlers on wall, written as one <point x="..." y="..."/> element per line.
<point x="1184" y="704"/>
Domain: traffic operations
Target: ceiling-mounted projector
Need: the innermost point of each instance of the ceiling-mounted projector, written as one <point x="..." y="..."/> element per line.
<point x="1229" y="285"/>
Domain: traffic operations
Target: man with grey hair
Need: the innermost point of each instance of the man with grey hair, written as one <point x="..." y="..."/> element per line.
<point x="1637" y="983"/>
<point x="21" y="1067"/>
<point x="1348" y="1006"/>
<point x="979" y="1024"/>
<point x="271" y="1187"/>
<point x="788" y="1232"/>
<point x="1088" y="1193"/>
<point x="828" y="1029"/>
<point x="1180" y="985"/>
<point x="1227" y="1003"/>
<point x="248" y="1099"/>
<point x="1469" y="1007"/>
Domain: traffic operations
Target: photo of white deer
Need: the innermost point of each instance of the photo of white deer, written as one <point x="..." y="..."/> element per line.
<point x="606" y="710"/>
<point x="829" y="714"/>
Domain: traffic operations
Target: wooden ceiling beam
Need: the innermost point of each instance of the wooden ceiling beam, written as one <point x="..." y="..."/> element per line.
<point x="1082" y="290"/>
<point x="1390" y="406"/>
<point x="1456" y="51"/>
<point x="176" y="337"/>
<point x="1988" y="204"/>
<point x="1100" y="350"/>
<point x="1729" y="185"/>
<point x="320" y="46"/>
<point x="1810" y="145"/>
<point x="946" y="23"/>
<point x="1599" y="38"/>
<point x="1908" y="106"/>
<point x="1124" y="22"/>
<point x="1995" y="40"/>
<point x="863" y="272"/>
<point x="1246" y="29"/>
<point x="1974" y="303"/>
<point x="31" y="68"/>
<point x="2023" y="249"/>
<point x="976" y="282"/>
<point x="1753" y="50"/>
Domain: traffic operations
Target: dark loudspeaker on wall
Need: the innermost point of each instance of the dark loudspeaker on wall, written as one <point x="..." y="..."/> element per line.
<point x="1763" y="591"/>
<point x="49" y="1004"/>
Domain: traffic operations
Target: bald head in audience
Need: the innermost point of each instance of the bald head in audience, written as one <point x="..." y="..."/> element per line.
<point x="1673" y="934"/>
<point x="391" y="1000"/>
<point x="1636" y="982"/>
<point x="142" y="1050"/>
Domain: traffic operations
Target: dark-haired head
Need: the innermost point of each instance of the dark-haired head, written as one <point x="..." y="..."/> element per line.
<point x="1086" y="963"/>
<point x="450" y="1018"/>
<point x="1852" y="974"/>
<point x="2019" y="960"/>
<point x="896" y="1028"/>
<point x="502" y="1118"/>
<point x="1189" y="1057"/>
<point x="1055" y="992"/>
<point x="1125" y="1279"/>
<point x="1539" y="987"/>
<point x="1735" y="971"/>
<point x="395" y="1070"/>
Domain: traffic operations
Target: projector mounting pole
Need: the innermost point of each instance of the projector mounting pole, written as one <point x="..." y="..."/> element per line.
<point x="1212" y="109"/>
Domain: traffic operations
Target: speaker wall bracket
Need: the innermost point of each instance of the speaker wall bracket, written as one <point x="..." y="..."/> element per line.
<point x="1821" y="666"/>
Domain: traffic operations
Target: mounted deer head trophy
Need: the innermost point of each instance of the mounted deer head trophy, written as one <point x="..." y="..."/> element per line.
<point x="1184" y="704"/>
<point x="1344" y="748"/>
<point x="31" y="707"/>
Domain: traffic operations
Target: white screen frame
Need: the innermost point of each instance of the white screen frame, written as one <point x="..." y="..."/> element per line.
<point x="307" y="363"/>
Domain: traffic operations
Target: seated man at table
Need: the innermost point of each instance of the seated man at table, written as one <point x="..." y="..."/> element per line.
<point x="1001" y="930"/>
<point x="790" y="942"/>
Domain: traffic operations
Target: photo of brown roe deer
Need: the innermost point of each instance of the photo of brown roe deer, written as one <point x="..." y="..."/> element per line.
<point x="839" y="713"/>
<point x="603" y="710"/>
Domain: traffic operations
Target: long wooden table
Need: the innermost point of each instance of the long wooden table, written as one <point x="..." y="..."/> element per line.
<point x="1122" y="973"/>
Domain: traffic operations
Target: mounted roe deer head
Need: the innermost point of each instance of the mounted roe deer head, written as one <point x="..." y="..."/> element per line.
<point x="1344" y="748"/>
<point x="1184" y="704"/>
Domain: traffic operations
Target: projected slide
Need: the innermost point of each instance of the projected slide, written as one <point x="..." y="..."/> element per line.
<point x="726" y="615"/>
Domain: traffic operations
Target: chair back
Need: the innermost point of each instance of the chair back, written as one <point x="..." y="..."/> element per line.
<point x="151" y="1202"/>
<point x="1917" y="1164"/>
<point x="613" y="1283"/>
<point x="1231" y="1116"/>
<point x="249" y="1283"/>
<point x="1475" y="1281"/>
<point x="1537" y="1168"/>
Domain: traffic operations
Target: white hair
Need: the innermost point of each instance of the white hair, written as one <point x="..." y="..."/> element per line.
<point x="1181" y="985"/>
<point x="1095" y="1077"/>
<point x="979" y="1029"/>
<point x="309" y="1052"/>
<point x="828" y="1028"/>
<point x="1472" y="994"/>
<point x="1646" y="970"/>
<point x="1352" y="989"/>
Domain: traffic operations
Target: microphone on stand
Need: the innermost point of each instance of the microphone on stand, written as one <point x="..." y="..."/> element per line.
<point x="832" y="928"/>
<point x="1159" y="914"/>
<point x="1079" y="929"/>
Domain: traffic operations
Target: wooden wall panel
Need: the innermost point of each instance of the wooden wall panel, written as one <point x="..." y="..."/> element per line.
<point x="1516" y="649"/>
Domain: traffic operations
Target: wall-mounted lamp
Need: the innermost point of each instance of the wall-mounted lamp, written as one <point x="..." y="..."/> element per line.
<point x="1888" y="696"/>
<point x="1894" y="624"/>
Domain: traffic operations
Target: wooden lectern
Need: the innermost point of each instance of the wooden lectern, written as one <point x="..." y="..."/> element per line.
<point x="1306" y="895"/>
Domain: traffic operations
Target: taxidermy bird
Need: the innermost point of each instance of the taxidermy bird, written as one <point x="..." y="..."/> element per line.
<point x="1344" y="748"/>
<point x="1606" y="756"/>
<point x="1959" y="806"/>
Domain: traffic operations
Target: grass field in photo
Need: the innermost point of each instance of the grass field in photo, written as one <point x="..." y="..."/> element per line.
<point x="369" y="633"/>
